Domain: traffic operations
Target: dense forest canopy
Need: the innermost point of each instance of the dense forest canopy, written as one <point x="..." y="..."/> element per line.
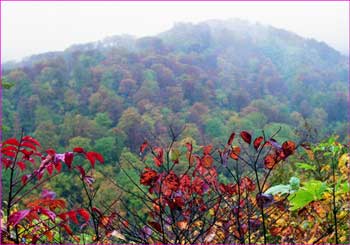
<point x="213" y="77"/>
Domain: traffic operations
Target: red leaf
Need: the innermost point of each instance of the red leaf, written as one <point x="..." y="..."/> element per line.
<point x="157" y="162"/>
<point x="7" y="162"/>
<point x="16" y="217"/>
<point x="189" y="147"/>
<point x="247" y="184"/>
<point x="155" y="225"/>
<point x="9" y="153"/>
<point x="49" y="168"/>
<point x="29" y="145"/>
<point x="207" y="149"/>
<point x="143" y="146"/>
<point x="73" y="216"/>
<point x="207" y="161"/>
<point x="79" y="150"/>
<point x="85" y="214"/>
<point x="63" y="216"/>
<point x="11" y="141"/>
<point x="236" y="150"/>
<point x="92" y="156"/>
<point x="58" y="166"/>
<point x="21" y="165"/>
<point x="9" y="148"/>
<point x="24" y="179"/>
<point x="31" y="140"/>
<point x="148" y="177"/>
<point x="230" y="140"/>
<point x="68" y="229"/>
<point x="27" y="154"/>
<point x="246" y="137"/>
<point x="81" y="170"/>
<point x="257" y="142"/>
<point x="68" y="159"/>
<point x="99" y="157"/>
<point x="39" y="175"/>
<point x="51" y="152"/>
<point x="48" y="213"/>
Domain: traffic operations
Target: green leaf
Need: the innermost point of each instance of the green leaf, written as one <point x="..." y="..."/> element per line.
<point x="305" y="166"/>
<point x="7" y="85"/>
<point x="316" y="188"/>
<point x="311" y="191"/>
<point x="342" y="188"/>
<point x="283" y="189"/>
<point x="300" y="199"/>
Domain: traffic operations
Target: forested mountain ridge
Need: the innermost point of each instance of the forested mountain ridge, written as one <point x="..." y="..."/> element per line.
<point x="212" y="77"/>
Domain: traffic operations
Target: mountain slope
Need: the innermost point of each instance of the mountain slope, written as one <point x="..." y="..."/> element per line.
<point x="211" y="77"/>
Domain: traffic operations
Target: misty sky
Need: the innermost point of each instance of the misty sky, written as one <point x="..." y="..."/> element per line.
<point x="35" y="27"/>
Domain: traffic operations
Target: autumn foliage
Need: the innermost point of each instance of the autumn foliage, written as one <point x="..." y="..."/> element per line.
<point x="190" y="194"/>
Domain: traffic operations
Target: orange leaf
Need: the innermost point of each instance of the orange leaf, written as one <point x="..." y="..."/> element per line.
<point x="270" y="161"/>
<point x="275" y="231"/>
<point x="236" y="150"/>
<point x="182" y="224"/>
<point x="257" y="142"/>
<point x="207" y="161"/>
<point x="143" y="146"/>
<point x="49" y="235"/>
<point x="288" y="148"/>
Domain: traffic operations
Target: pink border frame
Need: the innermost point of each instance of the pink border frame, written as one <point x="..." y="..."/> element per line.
<point x="348" y="112"/>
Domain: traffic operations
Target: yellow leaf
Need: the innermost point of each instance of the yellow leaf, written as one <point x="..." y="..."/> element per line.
<point x="311" y="241"/>
<point x="342" y="214"/>
<point x="342" y="239"/>
<point x="280" y="222"/>
<point x="343" y="164"/>
<point x="343" y="160"/>
<point x="327" y="195"/>
<point x="325" y="168"/>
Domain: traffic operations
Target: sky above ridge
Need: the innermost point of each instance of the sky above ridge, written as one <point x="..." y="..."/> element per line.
<point x="35" y="27"/>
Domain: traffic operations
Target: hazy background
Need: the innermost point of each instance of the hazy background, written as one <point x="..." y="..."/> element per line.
<point x="35" y="27"/>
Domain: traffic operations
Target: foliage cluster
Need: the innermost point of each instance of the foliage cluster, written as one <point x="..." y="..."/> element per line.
<point x="187" y="194"/>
